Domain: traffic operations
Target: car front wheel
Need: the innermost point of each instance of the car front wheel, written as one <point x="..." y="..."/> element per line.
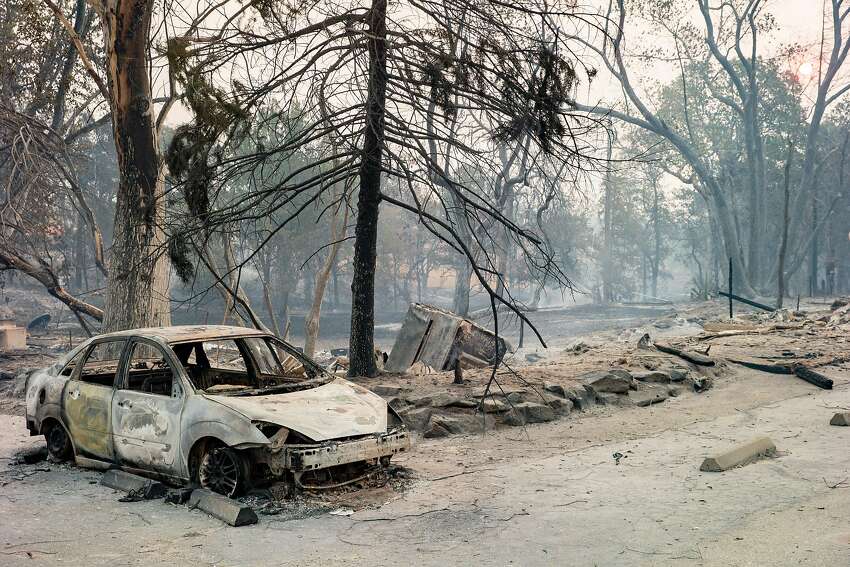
<point x="223" y="470"/>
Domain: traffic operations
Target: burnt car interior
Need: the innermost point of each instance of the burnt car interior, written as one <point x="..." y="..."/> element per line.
<point x="101" y="363"/>
<point x="149" y="371"/>
<point x="248" y="365"/>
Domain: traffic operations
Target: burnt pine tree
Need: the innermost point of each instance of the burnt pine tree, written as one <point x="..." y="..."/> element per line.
<point x="394" y="89"/>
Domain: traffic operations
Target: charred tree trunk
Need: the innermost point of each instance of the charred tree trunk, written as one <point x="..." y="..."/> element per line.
<point x="460" y="304"/>
<point x="137" y="290"/>
<point x="783" y="246"/>
<point x="362" y="339"/>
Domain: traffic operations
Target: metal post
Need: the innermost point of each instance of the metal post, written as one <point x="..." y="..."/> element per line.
<point x="730" y="287"/>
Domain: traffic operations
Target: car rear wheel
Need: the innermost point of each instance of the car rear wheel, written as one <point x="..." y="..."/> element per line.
<point x="223" y="470"/>
<point x="58" y="443"/>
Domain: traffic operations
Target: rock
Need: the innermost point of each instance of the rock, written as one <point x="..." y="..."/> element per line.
<point x="435" y="431"/>
<point x="466" y="403"/>
<point x="653" y="377"/>
<point x="434" y="399"/>
<point x="611" y="399"/>
<point x="516" y="397"/>
<point x="555" y="389"/>
<point x="494" y="405"/>
<point x="513" y="418"/>
<point x="677" y="375"/>
<point x="389" y="390"/>
<point x="840" y="419"/>
<point x="674" y="391"/>
<point x="648" y="396"/>
<point x="559" y="405"/>
<point x="607" y="381"/>
<point x="398" y="404"/>
<point x="581" y="397"/>
<point x="416" y="418"/>
<point x="528" y="412"/>
<point x="457" y="424"/>
<point x="740" y="455"/>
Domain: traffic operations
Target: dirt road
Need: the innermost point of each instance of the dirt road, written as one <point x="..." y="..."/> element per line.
<point x="552" y="495"/>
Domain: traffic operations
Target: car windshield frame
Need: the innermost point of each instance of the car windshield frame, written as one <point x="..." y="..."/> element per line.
<point x="321" y="376"/>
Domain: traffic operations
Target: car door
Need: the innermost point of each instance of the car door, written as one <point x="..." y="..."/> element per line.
<point x="146" y="409"/>
<point x="87" y="399"/>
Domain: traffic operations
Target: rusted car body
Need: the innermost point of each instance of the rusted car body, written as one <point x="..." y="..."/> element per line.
<point x="223" y="407"/>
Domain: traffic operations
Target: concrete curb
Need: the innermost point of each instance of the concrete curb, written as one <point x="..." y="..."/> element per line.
<point x="739" y="456"/>
<point x="132" y="483"/>
<point x="225" y="509"/>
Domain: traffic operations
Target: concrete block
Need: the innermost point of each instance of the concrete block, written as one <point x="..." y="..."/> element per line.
<point x="740" y="455"/>
<point x="13" y="338"/>
<point x="133" y="483"/>
<point x="225" y="509"/>
<point x="840" y="419"/>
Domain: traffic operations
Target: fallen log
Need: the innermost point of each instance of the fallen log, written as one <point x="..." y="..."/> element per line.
<point x="770" y="368"/>
<point x="796" y="369"/>
<point x="812" y="377"/>
<point x="747" y="301"/>
<point x="690" y="356"/>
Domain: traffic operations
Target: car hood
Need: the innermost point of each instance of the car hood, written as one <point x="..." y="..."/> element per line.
<point x="334" y="410"/>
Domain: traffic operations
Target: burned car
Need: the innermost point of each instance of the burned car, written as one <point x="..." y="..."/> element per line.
<point x="221" y="407"/>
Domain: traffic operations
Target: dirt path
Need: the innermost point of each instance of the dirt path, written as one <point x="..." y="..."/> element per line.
<point x="552" y="494"/>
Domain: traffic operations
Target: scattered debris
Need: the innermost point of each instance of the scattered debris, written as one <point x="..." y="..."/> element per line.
<point x="440" y="339"/>
<point x="33" y="455"/>
<point x="178" y="495"/>
<point x="740" y="455"/>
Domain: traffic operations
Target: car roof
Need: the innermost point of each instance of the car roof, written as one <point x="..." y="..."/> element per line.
<point x="189" y="333"/>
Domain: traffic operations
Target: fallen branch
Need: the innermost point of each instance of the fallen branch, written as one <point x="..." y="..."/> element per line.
<point x="690" y="356"/>
<point x="812" y="377"/>
<point x="796" y="369"/>
<point x="747" y="301"/>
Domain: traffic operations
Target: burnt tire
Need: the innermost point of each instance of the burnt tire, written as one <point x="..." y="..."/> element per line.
<point x="58" y="443"/>
<point x="223" y="470"/>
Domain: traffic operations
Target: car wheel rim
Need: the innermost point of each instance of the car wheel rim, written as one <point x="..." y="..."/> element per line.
<point x="56" y="441"/>
<point x="219" y="472"/>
